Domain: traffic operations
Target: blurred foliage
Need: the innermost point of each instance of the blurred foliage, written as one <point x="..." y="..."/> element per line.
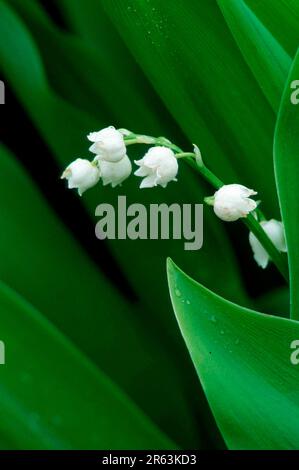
<point x="100" y="369"/>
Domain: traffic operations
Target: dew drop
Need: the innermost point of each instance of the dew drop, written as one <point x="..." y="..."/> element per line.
<point x="178" y="293"/>
<point x="188" y="302"/>
<point x="213" y="319"/>
<point x="222" y="332"/>
<point x="237" y="341"/>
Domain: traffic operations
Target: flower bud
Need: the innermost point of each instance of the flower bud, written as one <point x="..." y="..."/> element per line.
<point x="198" y="156"/>
<point x="115" y="173"/>
<point x="159" y="166"/>
<point x="275" y="231"/>
<point x="81" y="174"/>
<point x="108" y="144"/>
<point x="231" y="202"/>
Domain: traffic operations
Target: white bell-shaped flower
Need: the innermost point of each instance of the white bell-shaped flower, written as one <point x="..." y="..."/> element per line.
<point x="159" y="166"/>
<point x="275" y="231"/>
<point x="232" y="201"/>
<point x="81" y="174"/>
<point x="115" y="173"/>
<point x="108" y="144"/>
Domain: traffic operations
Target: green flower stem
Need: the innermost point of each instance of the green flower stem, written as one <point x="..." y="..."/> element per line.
<point x="131" y="141"/>
<point x="148" y="140"/>
<point x="202" y="169"/>
<point x="251" y="223"/>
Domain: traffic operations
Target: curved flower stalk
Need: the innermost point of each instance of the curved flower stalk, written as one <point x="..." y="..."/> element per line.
<point x="159" y="167"/>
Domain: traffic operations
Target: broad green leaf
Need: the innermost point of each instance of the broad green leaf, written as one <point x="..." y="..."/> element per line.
<point x="286" y="160"/>
<point x="41" y="261"/>
<point x="243" y="361"/>
<point x="205" y="83"/>
<point x="52" y="397"/>
<point x="87" y="77"/>
<point x="281" y="17"/>
<point x="124" y="83"/>
<point x="90" y="21"/>
<point x="265" y="56"/>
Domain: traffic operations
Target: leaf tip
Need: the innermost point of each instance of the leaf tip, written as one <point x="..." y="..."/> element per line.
<point x="171" y="268"/>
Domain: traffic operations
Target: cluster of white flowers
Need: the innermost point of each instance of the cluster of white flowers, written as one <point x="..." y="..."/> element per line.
<point x="111" y="164"/>
<point x="158" y="167"/>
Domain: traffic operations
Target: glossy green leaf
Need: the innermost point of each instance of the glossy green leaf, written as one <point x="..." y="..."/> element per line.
<point x="286" y="160"/>
<point x="74" y="69"/>
<point x="90" y="21"/>
<point x="52" y="397"/>
<point x="205" y="83"/>
<point x="96" y="31"/>
<point x="243" y="361"/>
<point x="281" y="17"/>
<point x="265" y="56"/>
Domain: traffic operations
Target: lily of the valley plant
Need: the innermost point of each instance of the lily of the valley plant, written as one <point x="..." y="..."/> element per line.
<point x="158" y="167"/>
